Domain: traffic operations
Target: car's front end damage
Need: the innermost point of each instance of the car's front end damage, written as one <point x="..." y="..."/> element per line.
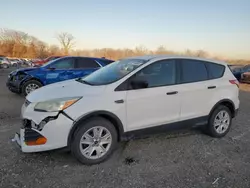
<point x="16" y="79"/>
<point x="39" y="129"/>
<point x="48" y="115"/>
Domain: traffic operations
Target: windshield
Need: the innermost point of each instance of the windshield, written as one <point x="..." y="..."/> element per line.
<point x="112" y="72"/>
<point x="49" y="62"/>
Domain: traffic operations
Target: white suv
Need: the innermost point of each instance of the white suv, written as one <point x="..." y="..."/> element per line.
<point x="126" y="99"/>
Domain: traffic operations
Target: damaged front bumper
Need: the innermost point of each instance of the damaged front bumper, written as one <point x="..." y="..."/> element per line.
<point x="17" y="140"/>
<point x="13" y="86"/>
<point x="16" y="80"/>
<point x="42" y="131"/>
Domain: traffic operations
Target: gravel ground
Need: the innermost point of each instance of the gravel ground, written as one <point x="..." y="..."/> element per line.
<point x="184" y="159"/>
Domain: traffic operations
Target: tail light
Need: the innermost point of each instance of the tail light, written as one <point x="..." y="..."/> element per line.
<point x="236" y="82"/>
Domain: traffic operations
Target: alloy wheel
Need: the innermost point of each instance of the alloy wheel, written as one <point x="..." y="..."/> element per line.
<point x="222" y="122"/>
<point x="31" y="87"/>
<point x="95" y="142"/>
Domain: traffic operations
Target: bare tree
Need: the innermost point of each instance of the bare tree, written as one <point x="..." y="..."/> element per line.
<point x="66" y="40"/>
<point x="201" y="53"/>
<point x="161" y="50"/>
<point x="141" y="50"/>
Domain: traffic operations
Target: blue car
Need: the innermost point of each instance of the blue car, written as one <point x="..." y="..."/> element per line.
<point x="23" y="81"/>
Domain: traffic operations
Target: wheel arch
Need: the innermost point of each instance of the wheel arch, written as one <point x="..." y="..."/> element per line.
<point x="104" y="114"/>
<point x="226" y="102"/>
<point x="29" y="78"/>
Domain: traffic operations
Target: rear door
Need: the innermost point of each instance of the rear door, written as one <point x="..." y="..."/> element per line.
<point x="84" y="66"/>
<point x="197" y="89"/>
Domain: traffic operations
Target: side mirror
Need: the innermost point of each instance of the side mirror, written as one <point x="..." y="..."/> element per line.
<point x="139" y="84"/>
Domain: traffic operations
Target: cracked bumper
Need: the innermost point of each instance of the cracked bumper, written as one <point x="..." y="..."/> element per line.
<point x="55" y="131"/>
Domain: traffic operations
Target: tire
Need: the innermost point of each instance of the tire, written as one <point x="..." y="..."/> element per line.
<point x="211" y="127"/>
<point x="25" y="86"/>
<point x="5" y="66"/>
<point x="87" y="127"/>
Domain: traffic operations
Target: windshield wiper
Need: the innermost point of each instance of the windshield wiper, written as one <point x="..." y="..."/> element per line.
<point x="82" y="81"/>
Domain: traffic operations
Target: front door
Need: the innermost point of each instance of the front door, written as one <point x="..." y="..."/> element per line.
<point x="60" y="70"/>
<point x="157" y="104"/>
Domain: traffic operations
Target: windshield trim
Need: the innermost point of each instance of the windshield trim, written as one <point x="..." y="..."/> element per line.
<point x="94" y="84"/>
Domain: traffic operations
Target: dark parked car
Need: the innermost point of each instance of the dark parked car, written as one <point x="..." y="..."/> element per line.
<point x="238" y="70"/>
<point x="245" y="77"/>
<point x="24" y="81"/>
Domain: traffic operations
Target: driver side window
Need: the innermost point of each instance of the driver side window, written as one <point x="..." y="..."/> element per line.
<point x="67" y="63"/>
<point x="161" y="73"/>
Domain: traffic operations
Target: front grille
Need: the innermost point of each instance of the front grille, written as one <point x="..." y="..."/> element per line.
<point x="26" y="103"/>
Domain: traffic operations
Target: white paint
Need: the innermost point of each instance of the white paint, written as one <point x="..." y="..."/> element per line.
<point x="141" y="108"/>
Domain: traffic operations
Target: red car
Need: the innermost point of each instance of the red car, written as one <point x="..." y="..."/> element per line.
<point x="43" y="61"/>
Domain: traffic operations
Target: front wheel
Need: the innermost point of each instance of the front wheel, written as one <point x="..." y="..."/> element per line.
<point x="219" y="122"/>
<point x="5" y="66"/>
<point x="30" y="86"/>
<point x="94" y="141"/>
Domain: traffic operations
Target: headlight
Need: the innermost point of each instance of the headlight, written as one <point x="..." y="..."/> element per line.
<point x="56" y="105"/>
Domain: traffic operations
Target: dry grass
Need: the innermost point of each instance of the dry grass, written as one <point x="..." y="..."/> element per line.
<point x="245" y="87"/>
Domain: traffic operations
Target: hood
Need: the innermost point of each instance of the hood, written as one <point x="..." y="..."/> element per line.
<point x="27" y="69"/>
<point x="22" y="70"/>
<point x="69" y="88"/>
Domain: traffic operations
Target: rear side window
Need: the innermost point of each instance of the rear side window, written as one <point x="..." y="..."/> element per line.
<point x="86" y="63"/>
<point x="193" y="71"/>
<point x="215" y="70"/>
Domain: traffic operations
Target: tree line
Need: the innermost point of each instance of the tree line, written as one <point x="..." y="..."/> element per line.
<point x="22" y="45"/>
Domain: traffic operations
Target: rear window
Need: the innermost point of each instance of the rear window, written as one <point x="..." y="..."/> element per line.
<point x="215" y="70"/>
<point x="193" y="71"/>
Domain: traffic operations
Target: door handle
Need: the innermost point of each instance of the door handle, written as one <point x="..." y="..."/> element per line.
<point x="172" y="93"/>
<point x="211" y="87"/>
<point x="119" y="101"/>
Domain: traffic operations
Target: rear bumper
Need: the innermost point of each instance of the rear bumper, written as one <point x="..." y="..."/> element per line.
<point x="247" y="81"/>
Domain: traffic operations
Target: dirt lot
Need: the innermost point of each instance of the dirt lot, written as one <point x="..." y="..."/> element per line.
<point x="187" y="159"/>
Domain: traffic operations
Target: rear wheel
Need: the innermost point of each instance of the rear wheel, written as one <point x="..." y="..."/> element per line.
<point x="219" y="122"/>
<point x="30" y="86"/>
<point x="94" y="141"/>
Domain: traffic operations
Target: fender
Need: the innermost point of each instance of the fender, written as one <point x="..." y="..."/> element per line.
<point x="28" y="78"/>
<point x="232" y="108"/>
<point x="108" y="115"/>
